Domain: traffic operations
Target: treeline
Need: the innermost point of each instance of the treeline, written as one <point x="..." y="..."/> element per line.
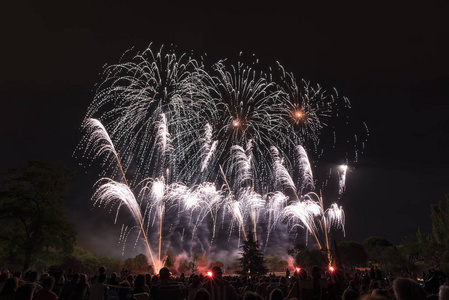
<point x="35" y="232"/>
<point x="417" y="252"/>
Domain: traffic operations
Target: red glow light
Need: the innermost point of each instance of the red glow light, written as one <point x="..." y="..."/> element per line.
<point x="209" y="274"/>
<point x="298" y="269"/>
<point x="331" y="269"/>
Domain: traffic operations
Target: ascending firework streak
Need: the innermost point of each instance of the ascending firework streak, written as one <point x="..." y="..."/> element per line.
<point x="235" y="209"/>
<point x="241" y="167"/>
<point x="277" y="201"/>
<point x="163" y="141"/>
<point x="159" y="194"/>
<point x="111" y="191"/>
<point x="342" y="179"/>
<point x="206" y="199"/>
<point x="305" y="176"/>
<point x="306" y="211"/>
<point x="310" y="209"/>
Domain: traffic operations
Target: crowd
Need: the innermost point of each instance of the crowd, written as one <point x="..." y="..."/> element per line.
<point x="314" y="284"/>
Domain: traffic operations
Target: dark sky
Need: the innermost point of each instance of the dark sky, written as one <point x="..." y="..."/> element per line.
<point x="390" y="60"/>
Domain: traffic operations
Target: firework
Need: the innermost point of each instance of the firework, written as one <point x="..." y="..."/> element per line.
<point x="305" y="109"/>
<point x="113" y="192"/>
<point x="342" y="179"/>
<point x="310" y="213"/>
<point x="204" y="139"/>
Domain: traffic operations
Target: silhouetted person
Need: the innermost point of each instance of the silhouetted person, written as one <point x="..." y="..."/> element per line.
<point x="166" y="288"/>
<point x="140" y="285"/>
<point x="194" y="287"/>
<point x="113" y="280"/>
<point x="82" y="288"/>
<point x="444" y="292"/>
<point x="9" y="289"/>
<point x="219" y="288"/>
<point x="69" y="288"/>
<point x="3" y="278"/>
<point x="46" y="292"/>
<point x="252" y="296"/>
<point x="32" y="278"/>
<point x="309" y="289"/>
<point x="25" y="292"/>
<point x="97" y="290"/>
<point x="276" y="294"/>
<point x="372" y="274"/>
<point x="201" y="294"/>
<point x="350" y="294"/>
<point x="125" y="292"/>
<point x="407" y="289"/>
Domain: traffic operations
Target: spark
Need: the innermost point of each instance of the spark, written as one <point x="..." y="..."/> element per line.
<point x="207" y="138"/>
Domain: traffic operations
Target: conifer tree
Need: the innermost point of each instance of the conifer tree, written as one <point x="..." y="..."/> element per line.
<point x="252" y="262"/>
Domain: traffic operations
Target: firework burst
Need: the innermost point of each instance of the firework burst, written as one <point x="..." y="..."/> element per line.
<point x="202" y="140"/>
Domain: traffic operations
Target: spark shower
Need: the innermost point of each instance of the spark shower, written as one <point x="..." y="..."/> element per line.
<point x="219" y="145"/>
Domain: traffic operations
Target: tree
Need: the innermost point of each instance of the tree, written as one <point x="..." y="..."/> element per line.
<point x="112" y="264"/>
<point x="252" y="262"/>
<point x="170" y="258"/>
<point x="201" y="262"/>
<point x="307" y="258"/>
<point x="216" y="263"/>
<point x="191" y="266"/>
<point x="431" y="251"/>
<point x="313" y="257"/>
<point x="34" y="222"/>
<point x="374" y="246"/>
<point x="410" y="246"/>
<point x="391" y="259"/>
<point x="129" y="264"/>
<point x="140" y="263"/>
<point x="273" y="262"/>
<point x="352" y="254"/>
<point x="440" y="221"/>
<point x="183" y="265"/>
<point x="296" y="250"/>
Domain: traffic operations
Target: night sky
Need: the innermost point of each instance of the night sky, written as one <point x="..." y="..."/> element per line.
<point x="389" y="59"/>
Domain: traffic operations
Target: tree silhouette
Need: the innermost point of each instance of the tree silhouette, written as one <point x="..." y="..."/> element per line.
<point x="252" y="262"/>
<point x="34" y="222"/>
<point x="352" y="254"/>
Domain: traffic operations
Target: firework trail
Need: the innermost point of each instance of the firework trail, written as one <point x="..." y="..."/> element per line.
<point x="112" y="192"/>
<point x="308" y="208"/>
<point x="134" y="97"/>
<point x="282" y="176"/>
<point x="234" y="206"/>
<point x="307" y="211"/>
<point x="207" y="200"/>
<point x="239" y="108"/>
<point x="184" y="128"/>
<point x="97" y="142"/>
<point x="208" y="147"/>
<point x="310" y="212"/>
<point x="276" y="203"/>
<point x="342" y="179"/>
<point x="305" y="179"/>
<point x="241" y="166"/>
<point x="335" y="217"/>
